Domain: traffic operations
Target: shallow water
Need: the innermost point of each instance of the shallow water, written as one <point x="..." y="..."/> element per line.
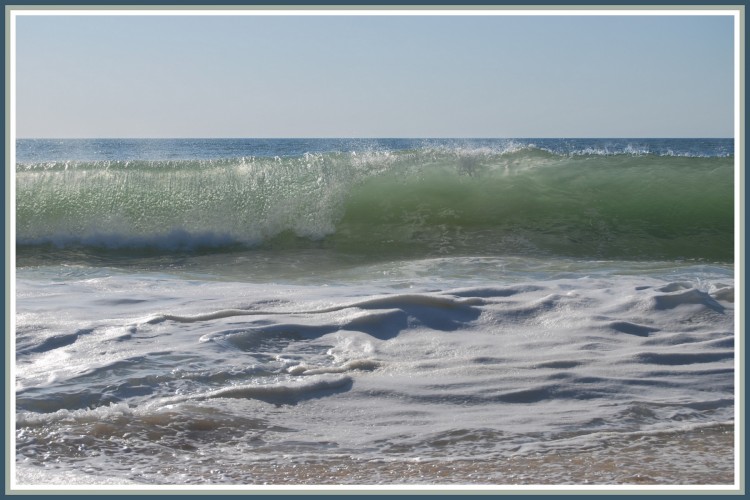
<point x="307" y="361"/>
<point x="219" y="381"/>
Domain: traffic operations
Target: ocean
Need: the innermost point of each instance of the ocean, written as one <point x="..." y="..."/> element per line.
<point x="478" y="312"/>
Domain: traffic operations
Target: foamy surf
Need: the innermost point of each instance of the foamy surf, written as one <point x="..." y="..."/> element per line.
<point x="506" y="370"/>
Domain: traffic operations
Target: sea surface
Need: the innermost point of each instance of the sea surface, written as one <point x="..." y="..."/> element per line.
<point x="374" y="312"/>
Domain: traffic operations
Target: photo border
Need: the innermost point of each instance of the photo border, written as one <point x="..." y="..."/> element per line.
<point x="230" y="8"/>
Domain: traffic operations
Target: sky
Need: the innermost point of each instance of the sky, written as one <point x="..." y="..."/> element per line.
<point x="374" y="76"/>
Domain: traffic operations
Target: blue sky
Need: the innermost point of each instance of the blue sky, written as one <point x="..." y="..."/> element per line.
<point x="374" y="76"/>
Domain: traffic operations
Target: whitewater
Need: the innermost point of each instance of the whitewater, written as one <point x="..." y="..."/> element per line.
<point x="340" y="312"/>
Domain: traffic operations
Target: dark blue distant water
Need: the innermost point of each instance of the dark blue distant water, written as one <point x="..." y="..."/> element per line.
<point x="38" y="150"/>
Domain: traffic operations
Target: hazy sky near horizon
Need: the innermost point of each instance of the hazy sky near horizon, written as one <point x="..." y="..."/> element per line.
<point x="374" y="76"/>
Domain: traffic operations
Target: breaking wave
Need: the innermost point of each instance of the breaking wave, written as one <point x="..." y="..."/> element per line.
<point x="426" y="201"/>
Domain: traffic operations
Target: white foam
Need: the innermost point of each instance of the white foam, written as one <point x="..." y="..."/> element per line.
<point x="486" y="369"/>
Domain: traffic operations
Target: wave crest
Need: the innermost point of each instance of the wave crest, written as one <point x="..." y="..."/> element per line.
<point x="428" y="201"/>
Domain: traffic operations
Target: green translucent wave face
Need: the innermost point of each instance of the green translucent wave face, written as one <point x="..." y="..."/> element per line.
<point x="593" y="206"/>
<point x="413" y="203"/>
